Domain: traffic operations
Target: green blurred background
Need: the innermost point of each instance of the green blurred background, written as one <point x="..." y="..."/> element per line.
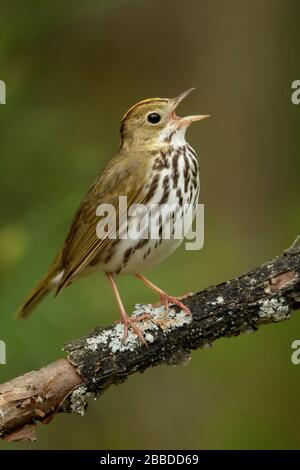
<point x="72" y="68"/>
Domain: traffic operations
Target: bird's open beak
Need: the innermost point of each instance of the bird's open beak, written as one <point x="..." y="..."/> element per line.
<point x="187" y="120"/>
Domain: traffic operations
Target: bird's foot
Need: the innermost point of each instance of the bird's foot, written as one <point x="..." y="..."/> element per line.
<point x="166" y="300"/>
<point x="130" y="322"/>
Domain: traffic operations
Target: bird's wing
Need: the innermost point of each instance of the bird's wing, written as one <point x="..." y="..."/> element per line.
<point x="124" y="176"/>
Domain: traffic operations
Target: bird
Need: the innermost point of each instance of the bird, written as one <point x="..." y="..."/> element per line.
<point x="154" y="166"/>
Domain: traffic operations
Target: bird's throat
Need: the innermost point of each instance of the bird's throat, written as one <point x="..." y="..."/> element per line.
<point x="174" y="135"/>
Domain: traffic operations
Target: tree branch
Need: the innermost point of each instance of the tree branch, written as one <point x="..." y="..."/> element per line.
<point x="267" y="294"/>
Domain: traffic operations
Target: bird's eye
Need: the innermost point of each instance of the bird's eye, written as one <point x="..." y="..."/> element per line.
<point x="153" y="118"/>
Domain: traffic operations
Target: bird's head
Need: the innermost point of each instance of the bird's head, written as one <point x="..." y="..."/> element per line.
<point x="154" y="120"/>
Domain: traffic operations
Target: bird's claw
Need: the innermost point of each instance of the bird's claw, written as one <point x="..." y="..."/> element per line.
<point x="130" y="322"/>
<point x="166" y="300"/>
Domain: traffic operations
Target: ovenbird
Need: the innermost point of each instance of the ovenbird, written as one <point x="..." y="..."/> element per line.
<point x="154" y="165"/>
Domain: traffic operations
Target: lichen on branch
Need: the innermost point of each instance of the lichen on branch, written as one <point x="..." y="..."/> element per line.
<point x="268" y="294"/>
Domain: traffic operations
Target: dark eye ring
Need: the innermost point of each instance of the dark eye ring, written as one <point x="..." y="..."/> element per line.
<point x="153" y="118"/>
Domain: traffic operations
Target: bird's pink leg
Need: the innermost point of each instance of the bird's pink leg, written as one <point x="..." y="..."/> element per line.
<point x="165" y="298"/>
<point x="126" y="319"/>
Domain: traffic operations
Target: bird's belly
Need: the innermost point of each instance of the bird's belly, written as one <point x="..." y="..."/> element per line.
<point x="176" y="193"/>
<point x="133" y="256"/>
<point x="149" y="256"/>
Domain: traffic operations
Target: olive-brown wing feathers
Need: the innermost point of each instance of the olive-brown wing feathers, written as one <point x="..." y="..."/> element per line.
<point x="124" y="176"/>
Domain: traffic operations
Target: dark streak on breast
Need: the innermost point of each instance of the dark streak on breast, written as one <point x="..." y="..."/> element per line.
<point x="166" y="190"/>
<point x="152" y="188"/>
<point x="186" y="173"/>
<point x="175" y="172"/>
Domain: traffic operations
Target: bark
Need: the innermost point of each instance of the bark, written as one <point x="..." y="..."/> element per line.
<point x="268" y="294"/>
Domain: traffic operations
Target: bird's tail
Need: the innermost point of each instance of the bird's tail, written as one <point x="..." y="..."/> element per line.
<point x="36" y="295"/>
